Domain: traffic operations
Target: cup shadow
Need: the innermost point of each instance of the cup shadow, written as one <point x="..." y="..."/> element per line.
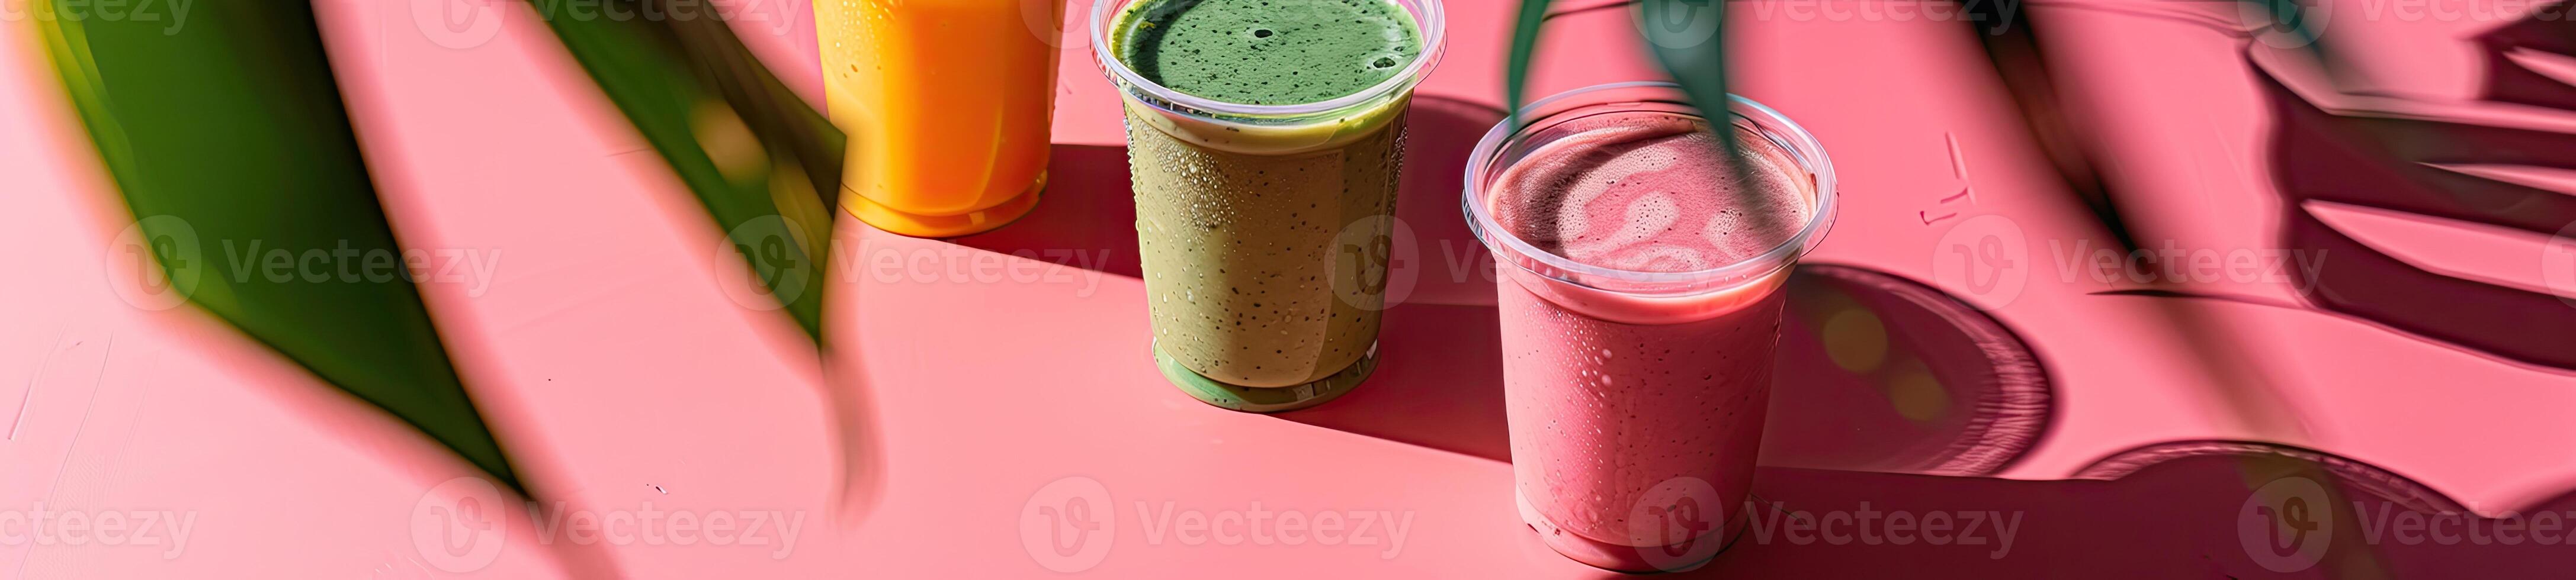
<point x="1877" y="373"/>
<point x="1437" y="260"/>
<point x="1439" y="384"/>
<point x="1884" y="374"/>
<point x="1089" y="206"/>
<point x="1444" y="390"/>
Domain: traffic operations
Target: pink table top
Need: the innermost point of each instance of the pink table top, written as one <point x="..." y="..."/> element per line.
<point x="1010" y="374"/>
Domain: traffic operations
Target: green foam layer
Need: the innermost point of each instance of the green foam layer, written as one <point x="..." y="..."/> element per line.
<point x="1268" y="52"/>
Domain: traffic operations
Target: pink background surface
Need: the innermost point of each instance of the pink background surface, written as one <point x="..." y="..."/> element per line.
<point x="623" y="378"/>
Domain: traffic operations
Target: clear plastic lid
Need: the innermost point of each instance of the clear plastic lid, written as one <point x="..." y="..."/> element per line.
<point x="1506" y="145"/>
<point x="1105" y="21"/>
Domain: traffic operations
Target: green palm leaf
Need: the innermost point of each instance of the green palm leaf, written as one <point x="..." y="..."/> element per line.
<point x="234" y="130"/>
<point x="1692" y="52"/>
<point x="231" y="135"/>
<point x="1525" y="31"/>
<point x="766" y="165"/>
<point x="1688" y="38"/>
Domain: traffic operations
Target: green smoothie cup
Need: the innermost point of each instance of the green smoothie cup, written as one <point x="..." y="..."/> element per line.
<point x="1265" y="141"/>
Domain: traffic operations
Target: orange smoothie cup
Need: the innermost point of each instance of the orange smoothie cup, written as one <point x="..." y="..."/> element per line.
<point x="947" y="104"/>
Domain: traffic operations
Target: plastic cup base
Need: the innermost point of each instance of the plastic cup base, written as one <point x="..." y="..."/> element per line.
<point x="1631" y="559"/>
<point x="1265" y="399"/>
<point x="942" y="226"/>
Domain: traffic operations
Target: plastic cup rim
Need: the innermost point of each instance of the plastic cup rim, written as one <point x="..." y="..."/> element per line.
<point x="1431" y="21"/>
<point x="1802" y="147"/>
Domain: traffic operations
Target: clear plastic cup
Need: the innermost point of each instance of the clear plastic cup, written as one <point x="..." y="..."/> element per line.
<point x="1635" y="398"/>
<point x="947" y="106"/>
<point x="1262" y="226"/>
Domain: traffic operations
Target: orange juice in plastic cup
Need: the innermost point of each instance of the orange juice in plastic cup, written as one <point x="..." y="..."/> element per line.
<point x="947" y="105"/>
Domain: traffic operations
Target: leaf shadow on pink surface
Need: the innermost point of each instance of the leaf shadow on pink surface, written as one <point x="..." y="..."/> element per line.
<point x="2394" y="162"/>
<point x="2509" y="81"/>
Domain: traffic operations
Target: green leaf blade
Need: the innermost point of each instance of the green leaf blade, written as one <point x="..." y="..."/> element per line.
<point x="764" y="164"/>
<point x="1525" y="32"/>
<point x="231" y="134"/>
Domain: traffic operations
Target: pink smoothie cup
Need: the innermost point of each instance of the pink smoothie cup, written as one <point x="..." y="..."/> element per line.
<point x="1636" y="398"/>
